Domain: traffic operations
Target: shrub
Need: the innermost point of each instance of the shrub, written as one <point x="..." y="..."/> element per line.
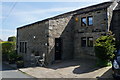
<point x="12" y="38"/>
<point x="12" y="57"/>
<point x="7" y="48"/>
<point x="104" y="49"/>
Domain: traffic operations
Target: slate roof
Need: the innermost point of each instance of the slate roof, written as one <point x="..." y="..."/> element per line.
<point x="79" y="11"/>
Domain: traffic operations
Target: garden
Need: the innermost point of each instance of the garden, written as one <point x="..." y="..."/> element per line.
<point x="9" y="53"/>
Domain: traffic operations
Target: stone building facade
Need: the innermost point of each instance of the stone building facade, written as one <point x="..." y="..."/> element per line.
<point x="115" y="23"/>
<point x="66" y="36"/>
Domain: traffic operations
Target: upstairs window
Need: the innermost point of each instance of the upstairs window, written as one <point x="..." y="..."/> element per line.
<point x="90" y="21"/>
<point x="87" y="21"/>
<point x="83" y="21"/>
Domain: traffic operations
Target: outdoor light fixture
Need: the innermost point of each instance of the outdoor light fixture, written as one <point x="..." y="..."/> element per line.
<point x="76" y="19"/>
<point x="46" y="44"/>
<point x="34" y="37"/>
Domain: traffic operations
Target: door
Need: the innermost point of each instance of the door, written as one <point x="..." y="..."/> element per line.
<point x="58" y="45"/>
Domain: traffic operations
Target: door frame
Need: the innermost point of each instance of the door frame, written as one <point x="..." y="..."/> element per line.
<point x="59" y="55"/>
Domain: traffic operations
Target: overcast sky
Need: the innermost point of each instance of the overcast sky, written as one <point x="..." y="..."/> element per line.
<point x="17" y="14"/>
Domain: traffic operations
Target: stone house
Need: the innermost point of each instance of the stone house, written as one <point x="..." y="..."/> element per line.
<point x="67" y="36"/>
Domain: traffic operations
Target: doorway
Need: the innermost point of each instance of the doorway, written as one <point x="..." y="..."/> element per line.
<point x="58" y="48"/>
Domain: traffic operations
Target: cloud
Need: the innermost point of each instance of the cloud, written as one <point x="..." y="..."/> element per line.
<point x="32" y="14"/>
<point x="23" y="16"/>
<point x="5" y="33"/>
<point x="4" y="37"/>
<point x="42" y="11"/>
<point x="7" y="30"/>
<point x="1" y="17"/>
<point x="29" y="16"/>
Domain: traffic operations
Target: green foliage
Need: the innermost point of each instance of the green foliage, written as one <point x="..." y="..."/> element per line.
<point x="103" y="63"/>
<point x="7" y="48"/>
<point x="12" y="56"/>
<point x="12" y="38"/>
<point x="104" y="48"/>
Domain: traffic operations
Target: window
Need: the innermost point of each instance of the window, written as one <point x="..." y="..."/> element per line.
<point x="83" y="21"/>
<point x="90" y="21"/>
<point x="20" y="47"/>
<point x="87" y="21"/>
<point x="90" y="41"/>
<point x="87" y="42"/>
<point x="23" y="47"/>
<point x="83" y="42"/>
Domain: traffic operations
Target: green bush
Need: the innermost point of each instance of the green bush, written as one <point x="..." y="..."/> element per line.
<point x="7" y="48"/>
<point x="12" y="38"/>
<point x="104" y="49"/>
<point x="12" y="57"/>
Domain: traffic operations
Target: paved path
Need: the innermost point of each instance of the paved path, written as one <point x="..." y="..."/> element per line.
<point x="70" y="69"/>
<point x="8" y="72"/>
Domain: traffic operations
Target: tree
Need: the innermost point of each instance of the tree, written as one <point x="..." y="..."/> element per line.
<point x="7" y="48"/>
<point x="12" y="38"/>
<point x="104" y="49"/>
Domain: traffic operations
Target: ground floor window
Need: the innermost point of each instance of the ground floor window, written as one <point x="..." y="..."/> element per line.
<point x="119" y="37"/>
<point x="87" y="42"/>
<point x="90" y="42"/>
<point x="23" y="47"/>
<point x="83" y="42"/>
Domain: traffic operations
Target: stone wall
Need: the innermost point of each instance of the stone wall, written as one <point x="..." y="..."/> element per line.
<point x="61" y="27"/>
<point x="115" y="25"/>
<point x="110" y="13"/>
<point x="36" y="37"/>
<point x="98" y="28"/>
